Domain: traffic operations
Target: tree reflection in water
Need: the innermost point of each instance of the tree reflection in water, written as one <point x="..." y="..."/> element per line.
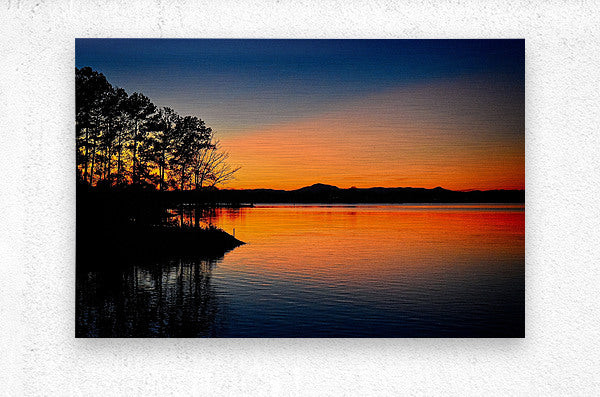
<point x="173" y="298"/>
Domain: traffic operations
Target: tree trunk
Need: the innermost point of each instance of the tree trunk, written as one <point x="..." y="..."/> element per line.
<point x="182" y="177"/>
<point x="108" y="158"/>
<point x="162" y="169"/>
<point x="85" y="173"/>
<point x="92" y="166"/>
<point x="108" y="147"/>
<point x="119" y="162"/>
<point x="133" y="168"/>
<point x="133" y="174"/>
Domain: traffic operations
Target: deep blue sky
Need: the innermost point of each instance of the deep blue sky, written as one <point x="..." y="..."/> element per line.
<point x="235" y="84"/>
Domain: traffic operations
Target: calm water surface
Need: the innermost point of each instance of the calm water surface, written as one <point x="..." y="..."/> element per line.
<point x="327" y="271"/>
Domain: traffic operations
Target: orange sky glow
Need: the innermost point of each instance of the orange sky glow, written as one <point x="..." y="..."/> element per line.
<point x="458" y="134"/>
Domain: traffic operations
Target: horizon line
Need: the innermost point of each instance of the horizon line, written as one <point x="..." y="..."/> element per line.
<point x="374" y="187"/>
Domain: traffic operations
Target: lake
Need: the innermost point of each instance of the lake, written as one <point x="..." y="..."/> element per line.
<point x="423" y="270"/>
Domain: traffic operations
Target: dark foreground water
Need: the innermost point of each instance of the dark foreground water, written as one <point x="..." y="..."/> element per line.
<point x="326" y="271"/>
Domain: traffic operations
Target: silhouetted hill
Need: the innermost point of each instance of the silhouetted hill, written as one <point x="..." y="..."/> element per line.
<point x="318" y="188"/>
<point x="321" y="193"/>
<point x="129" y="200"/>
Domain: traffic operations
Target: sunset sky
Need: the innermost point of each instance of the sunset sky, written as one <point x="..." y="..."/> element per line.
<point x="420" y="113"/>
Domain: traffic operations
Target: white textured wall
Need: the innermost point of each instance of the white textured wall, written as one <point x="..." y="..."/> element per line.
<point x="40" y="356"/>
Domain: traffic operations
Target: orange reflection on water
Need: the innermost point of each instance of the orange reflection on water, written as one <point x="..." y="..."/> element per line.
<point x="350" y="243"/>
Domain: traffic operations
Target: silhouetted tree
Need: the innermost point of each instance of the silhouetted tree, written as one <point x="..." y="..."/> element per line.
<point x="191" y="136"/>
<point x="91" y="90"/>
<point x="120" y="123"/>
<point x="146" y="145"/>
<point x="139" y="109"/>
<point x="112" y="133"/>
<point x="164" y="127"/>
<point x="210" y="164"/>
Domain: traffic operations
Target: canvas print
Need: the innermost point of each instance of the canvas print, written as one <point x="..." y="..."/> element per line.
<point x="300" y="188"/>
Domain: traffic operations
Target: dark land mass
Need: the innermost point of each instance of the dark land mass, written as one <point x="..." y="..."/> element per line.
<point x="133" y="200"/>
<point x="328" y="194"/>
<point x="128" y="222"/>
<point x="117" y="227"/>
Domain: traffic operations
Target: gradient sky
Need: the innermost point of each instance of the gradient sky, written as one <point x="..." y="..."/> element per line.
<point x="421" y="113"/>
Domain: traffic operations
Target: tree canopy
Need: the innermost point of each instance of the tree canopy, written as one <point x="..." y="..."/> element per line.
<point x="125" y="140"/>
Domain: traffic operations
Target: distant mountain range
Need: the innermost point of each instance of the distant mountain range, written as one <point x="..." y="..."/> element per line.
<point x="321" y="193"/>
